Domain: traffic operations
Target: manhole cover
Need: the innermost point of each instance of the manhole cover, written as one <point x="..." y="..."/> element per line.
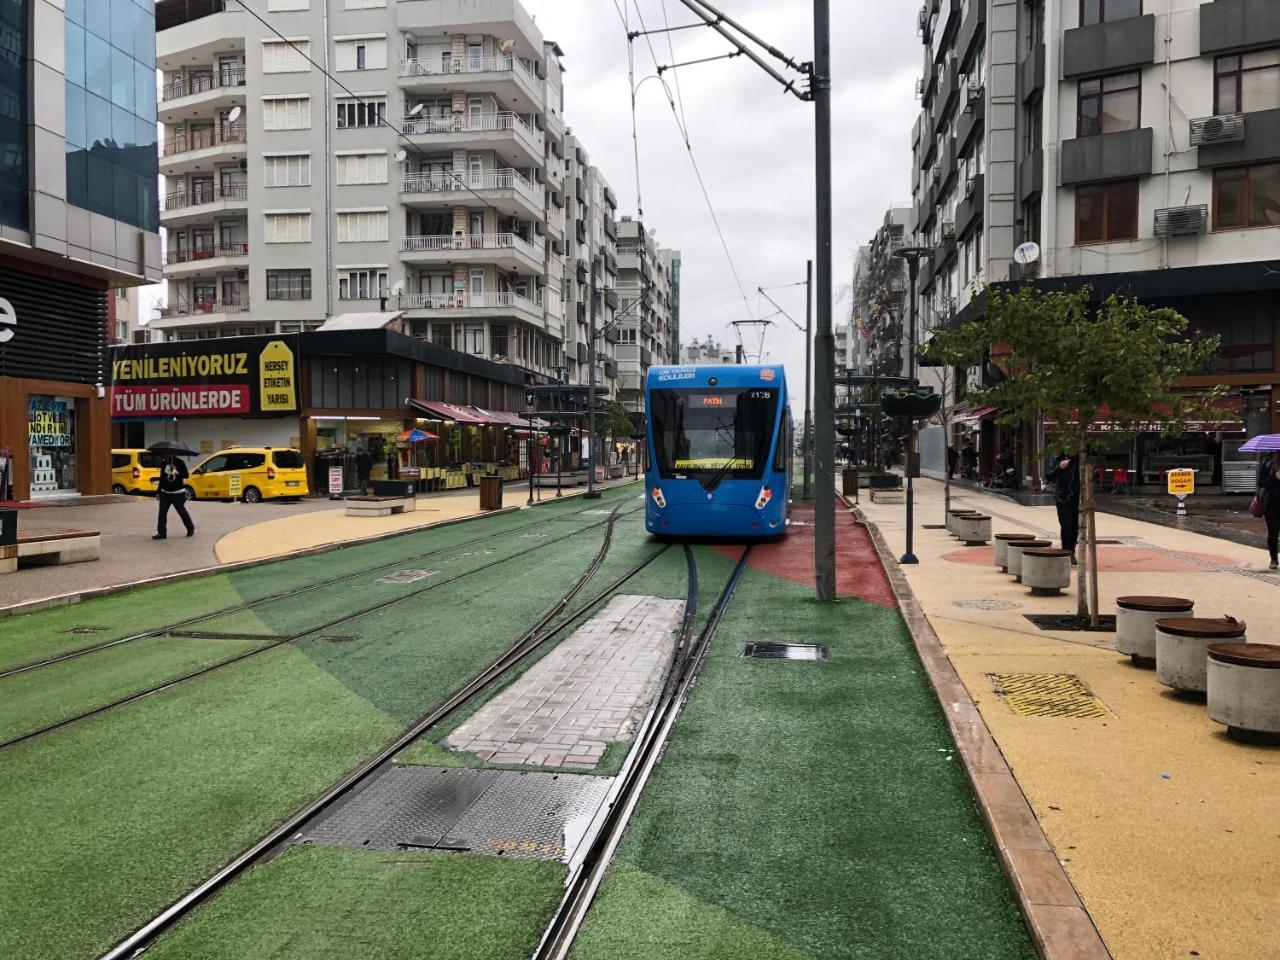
<point x="1047" y="695"/>
<point x="1071" y="622"/>
<point x="988" y="605"/>
<point x="210" y="635"/>
<point x="408" y="576"/>
<point x="785" y="651"/>
<point x="87" y="630"/>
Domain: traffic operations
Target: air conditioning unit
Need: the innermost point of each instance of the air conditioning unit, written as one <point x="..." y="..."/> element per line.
<point x="1182" y="221"/>
<point x="1228" y="128"/>
<point x="948" y="230"/>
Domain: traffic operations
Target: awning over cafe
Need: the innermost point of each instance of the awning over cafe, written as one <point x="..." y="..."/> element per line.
<point x="467" y="416"/>
<point x="505" y="418"/>
<point x="973" y="416"/>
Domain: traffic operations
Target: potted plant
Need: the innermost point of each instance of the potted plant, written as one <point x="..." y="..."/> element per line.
<point x="908" y="403"/>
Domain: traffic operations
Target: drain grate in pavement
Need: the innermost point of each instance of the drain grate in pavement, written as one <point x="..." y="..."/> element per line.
<point x="85" y="631"/>
<point x="538" y="816"/>
<point x="987" y="605"/>
<point x="1071" y="622"/>
<point x="1047" y="695"/>
<point x="785" y="651"/>
<point x="210" y="635"/>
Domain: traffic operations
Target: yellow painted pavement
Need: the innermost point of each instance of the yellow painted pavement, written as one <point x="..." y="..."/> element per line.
<point x="1169" y="830"/>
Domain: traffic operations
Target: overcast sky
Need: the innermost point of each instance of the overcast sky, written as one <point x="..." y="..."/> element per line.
<point x="753" y="143"/>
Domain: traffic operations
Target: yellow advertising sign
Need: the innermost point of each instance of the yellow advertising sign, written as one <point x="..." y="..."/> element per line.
<point x="275" y="368"/>
<point x="1182" y="483"/>
<point x="235" y="486"/>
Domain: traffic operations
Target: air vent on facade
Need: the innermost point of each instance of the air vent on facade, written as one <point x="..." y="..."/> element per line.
<point x="1182" y="221"/>
<point x="1228" y="128"/>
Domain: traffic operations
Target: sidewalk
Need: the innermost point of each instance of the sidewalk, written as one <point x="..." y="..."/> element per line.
<point x="1167" y="828"/>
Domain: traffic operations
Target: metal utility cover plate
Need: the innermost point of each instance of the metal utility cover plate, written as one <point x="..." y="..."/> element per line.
<point x="1048" y="695"/>
<point x="541" y="816"/>
<point x="784" y="651"/>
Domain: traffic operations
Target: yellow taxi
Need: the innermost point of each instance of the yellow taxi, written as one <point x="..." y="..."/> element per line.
<point x="135" y="471"/>
<point x="264" y="474"/>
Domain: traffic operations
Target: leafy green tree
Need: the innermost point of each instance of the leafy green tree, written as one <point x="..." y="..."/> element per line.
<point x="1075" y="362"/>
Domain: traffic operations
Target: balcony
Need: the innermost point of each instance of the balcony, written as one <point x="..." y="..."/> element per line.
<point x="201" y="95"/>
<point x="510" y="191"/>
<point x="472" y="306"/>
<point x="1260" y="143"/>
<point x="204" y="201"/>
<point x="1030" y="175"/>
<point x="219" y="258"/>
<point x="201" y="313"/>
<point x="194" y="31"/>
<point x="972" y="31"/>
<point x="506" y="77"/>
<point x="1108" y="156"/>
<point x="201" y="149"/>
<point x="508" y="251"/>
<point x="1109" y="47"/>
<point x="971" y="121"/>
<point x="969" y="210"/>
<point x="492" y="131"/>
<point x="1229" y="25"/>
<point x="1032" y="71"/>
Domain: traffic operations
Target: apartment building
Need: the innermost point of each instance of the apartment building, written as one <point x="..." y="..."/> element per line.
<point x="431" y="179"/>
<point x="708" y="351"/>
<point x="77" y="220"/>
<point x="648" y="278"/>
<point x="591" y="263"/>
<point x="878" y="336"/>
<point x="1137" y="143"/>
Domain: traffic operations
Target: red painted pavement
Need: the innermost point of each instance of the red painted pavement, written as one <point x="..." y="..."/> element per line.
<point x="1110" y="560"/>
<point x="858" y="570"/>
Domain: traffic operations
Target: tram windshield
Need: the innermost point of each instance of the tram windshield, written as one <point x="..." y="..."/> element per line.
<point x="710" y="435"/>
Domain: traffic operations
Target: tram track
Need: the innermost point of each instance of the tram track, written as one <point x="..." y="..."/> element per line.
<point x="287" y="594"/>
<point x="589" y="864"/>
<point x="614" y="516"/>
<point x="550" y="625"/>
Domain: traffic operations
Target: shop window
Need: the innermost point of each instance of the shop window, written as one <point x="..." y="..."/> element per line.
<point x="51" y="437"/>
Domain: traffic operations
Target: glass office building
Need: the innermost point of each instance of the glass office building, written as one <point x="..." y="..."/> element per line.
<point x="112" y="164"/>
<point x="13" y="114"/>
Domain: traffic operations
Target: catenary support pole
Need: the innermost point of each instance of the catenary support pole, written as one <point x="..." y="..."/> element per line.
<point x="808" y="380"/>
<point x="591" y="493"/>
<point x="824" y="521"/>
<point x="913" y="256"/>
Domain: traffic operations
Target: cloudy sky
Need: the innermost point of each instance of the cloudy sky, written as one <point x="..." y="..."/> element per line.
<point x="753" y="143"/>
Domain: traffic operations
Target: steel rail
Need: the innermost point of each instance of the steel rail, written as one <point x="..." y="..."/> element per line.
<point x="588" y="867"/>
<point x="276" y="644"/>
<point x="283" y="595"/>
<point x="274" y="841"/>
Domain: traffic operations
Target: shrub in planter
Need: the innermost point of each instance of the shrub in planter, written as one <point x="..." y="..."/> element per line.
<point x="905" y="403"/>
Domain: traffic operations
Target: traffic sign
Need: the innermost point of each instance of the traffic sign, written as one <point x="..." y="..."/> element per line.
<point x="1182" y="482"/>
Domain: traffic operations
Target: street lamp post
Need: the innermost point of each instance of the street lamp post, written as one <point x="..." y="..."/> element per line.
<point x="913" y="256"/>
<point x="591" y="493"/>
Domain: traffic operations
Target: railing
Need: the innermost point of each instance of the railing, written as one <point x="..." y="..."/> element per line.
<point x="461" y="123"/>
<point x="205" y="193"/>
<point x="203" y="139"/>
<point x="187" y="86"/>
<point x="439" y="67"/>
<point x="207" y="253"/>
<point x="187" y="309"/>
<point x="500" y="300"/>
<point x="439" y="182"/>
<point x="471" y="241"/>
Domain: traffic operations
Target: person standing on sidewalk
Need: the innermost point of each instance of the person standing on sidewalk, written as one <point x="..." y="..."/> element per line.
<point x="953" y="461"/>
<point x="364" y="467"/>
<point x="1269" y="491"/>
<point x="1066" y="478"/>
<point x="172" y="492"/>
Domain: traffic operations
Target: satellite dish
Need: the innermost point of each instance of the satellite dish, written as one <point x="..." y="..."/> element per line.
<point x="234" y="115"/>
<point x="417" y="109"/>
<point x="507" y="46"/>
<point x="401" y="156"/>
<point x="1027" y="253"/>
<point x="397" y="288"/>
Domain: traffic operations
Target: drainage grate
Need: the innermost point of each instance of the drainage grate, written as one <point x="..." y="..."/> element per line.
<point x="1071" y="622"/>
<point x="83" y="631"/>
<point x="408" y="576"/>
<point x="209" y="635"/>
<point x="784" y="651"/>
<point x="987" y="605"/>
<point x="336" y="639"/>
<point x="1047" y="695"/>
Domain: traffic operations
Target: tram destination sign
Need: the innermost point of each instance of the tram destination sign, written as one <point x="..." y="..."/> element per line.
<point x="234" y="376"/>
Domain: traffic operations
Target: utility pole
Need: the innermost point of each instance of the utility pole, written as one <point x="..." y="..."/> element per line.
<point x="591" y="493"/>
<point x="824" y="347"/>
<point x="808" y="380"/>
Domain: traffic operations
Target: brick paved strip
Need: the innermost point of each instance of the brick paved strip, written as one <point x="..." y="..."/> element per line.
<point x="1060" y="926"/>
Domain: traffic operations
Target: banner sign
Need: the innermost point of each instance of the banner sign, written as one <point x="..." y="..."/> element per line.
<point x="335" y="480"/>
<point x="233" y="376"/>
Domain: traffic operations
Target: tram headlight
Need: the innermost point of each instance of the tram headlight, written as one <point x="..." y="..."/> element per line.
<point x="766" y="495"/>
<point x="659" y="499"/>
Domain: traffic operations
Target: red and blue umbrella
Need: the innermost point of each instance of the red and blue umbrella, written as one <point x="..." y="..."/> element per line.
<point x="1266" y="443"/>
<point x="416" y="436"/>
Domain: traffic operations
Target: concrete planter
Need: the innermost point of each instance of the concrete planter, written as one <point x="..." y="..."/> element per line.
<point x="1046" y="571"/>
<point x="953" y="515"/>
<point x="974" y="529"/>
<point x="1244" y="690"/>
<point x="1136" y="624"/>
<point x="1013" y="555"/>
<point x="1002" y="542"/>
<point x="1182" y="649"/>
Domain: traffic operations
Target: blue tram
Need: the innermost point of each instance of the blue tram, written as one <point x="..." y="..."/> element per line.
<point x="719" y="452"/>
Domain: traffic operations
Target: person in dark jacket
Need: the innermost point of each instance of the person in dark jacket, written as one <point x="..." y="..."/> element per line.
<point x="172" y="492"/>
<point x="364" y="467"/>
<point x="1066" y="478"/>
<point x="1269" y="490"/>
<point x="953" y="461"/>
<point x="969" y="459"/>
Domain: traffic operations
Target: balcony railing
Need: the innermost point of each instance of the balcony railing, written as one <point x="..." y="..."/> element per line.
<point x="496" y="300"/>
<point x="461" y="123"/>
<point x="201" y="194"/>
<point x="438" y="182"/>
<point x="471" y="241"/>
<point x="225" y="77"/>
<point x="185" y="308"/>
<point x="203" y="139"/>
<point x="207" y="253"/>
<point x="440" y="67"/>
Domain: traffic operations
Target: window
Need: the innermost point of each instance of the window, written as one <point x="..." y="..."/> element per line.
<point x="361" y="53"/>
<point x="288" y="284"/>
<point x="442" y="335"/>
<point x="361" y="168"/>
<point x="287" y="459"/>
<point x="498" y="340"/>
<point x="365" y="4"/>
<point x="283" y="6"/>
<point x="362" y="113"/>
<point x="287" y="228"/>
<point x="1105" y="11"/>
<point x="286" y="113"/>
<point x="1107" y="212"/>
<point x="1247" y="82"/>
<point x="1246" y="197"/>
<point x="287" y="170"/>
<point x="362" y="226"/>
<point x="1109" y="104"/>
<point x="363" y="284"/>
<point x="280" y="56"/>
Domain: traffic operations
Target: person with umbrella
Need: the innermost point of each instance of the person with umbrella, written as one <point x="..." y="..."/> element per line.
<point x="172" y="491"/>
<point x="1269" y="494"/>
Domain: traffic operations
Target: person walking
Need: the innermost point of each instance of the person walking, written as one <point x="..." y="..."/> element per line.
<point x="1269" y="493"/>
<point x="364" y="467"/>
<point x="172" y="492"/>
<point x="953" y="461"/>
<point x="969" y="460"/>
<point x="1066" y="477"/>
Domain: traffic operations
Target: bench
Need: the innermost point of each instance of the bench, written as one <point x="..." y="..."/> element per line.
<point x="380" y="506"/>
<point x="51" y="547"/>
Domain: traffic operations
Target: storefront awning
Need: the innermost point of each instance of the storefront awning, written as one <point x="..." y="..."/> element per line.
<point x="467" y="416"/>
<point x="360" y="321"/>
<point x="973" y="416"/>
<point x="507" y="419"/>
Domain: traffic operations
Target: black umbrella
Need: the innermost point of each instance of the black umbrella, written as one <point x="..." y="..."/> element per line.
<point x="173" y="447"/>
